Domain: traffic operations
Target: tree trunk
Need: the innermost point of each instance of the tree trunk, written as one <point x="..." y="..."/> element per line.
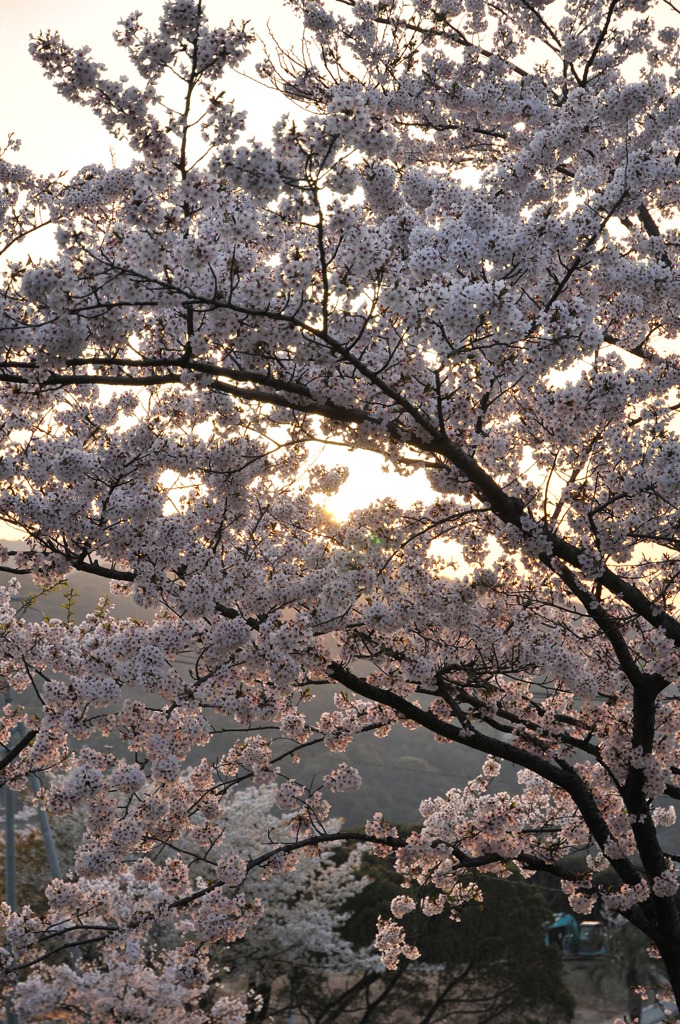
<point x="633" y="996"/>
<point x="670" y="955"/>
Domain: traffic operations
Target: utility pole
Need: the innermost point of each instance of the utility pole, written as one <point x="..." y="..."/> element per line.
<point x="11" y="861"/>
<point x="10" y="803"/>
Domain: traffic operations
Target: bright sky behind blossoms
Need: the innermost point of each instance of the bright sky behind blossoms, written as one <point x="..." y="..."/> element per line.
<point x="58" y="136"/>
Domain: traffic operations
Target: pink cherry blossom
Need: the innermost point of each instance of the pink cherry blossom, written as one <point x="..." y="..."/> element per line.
<point x="458" y="254"/>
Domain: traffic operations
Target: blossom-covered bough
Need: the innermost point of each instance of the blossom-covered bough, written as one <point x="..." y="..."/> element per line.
<point x="459" y="252"/>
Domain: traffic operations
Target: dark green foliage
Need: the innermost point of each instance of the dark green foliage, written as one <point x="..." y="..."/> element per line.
<point x="492" y="963"/>
<point x="32" y="871"/>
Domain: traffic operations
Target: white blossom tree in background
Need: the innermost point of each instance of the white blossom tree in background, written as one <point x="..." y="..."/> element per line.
<point x="459" y="252"/>
<point x="299" y="936"/>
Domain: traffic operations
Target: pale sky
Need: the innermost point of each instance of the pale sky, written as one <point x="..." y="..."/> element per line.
<point x="60" y="136"/>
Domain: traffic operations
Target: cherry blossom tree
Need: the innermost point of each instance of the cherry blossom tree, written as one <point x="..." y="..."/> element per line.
<point x="458" y="252"/>
<point x="300" y="936"/>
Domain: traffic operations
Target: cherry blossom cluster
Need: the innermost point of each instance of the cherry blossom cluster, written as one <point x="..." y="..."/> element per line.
<point x="458" y="254"/>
